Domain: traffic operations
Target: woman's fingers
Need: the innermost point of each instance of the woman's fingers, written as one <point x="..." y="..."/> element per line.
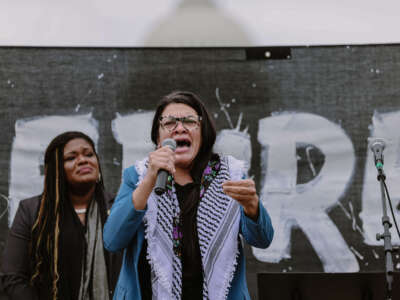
<point x="241" y="190"/>
<point x="243" y="183"/>
<point x="162" y="158"/>
<point x="244" y="192"/>
<point x="243" y="198"/>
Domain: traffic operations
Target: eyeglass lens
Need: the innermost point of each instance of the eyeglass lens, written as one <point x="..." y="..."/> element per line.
<point x="189" y="122"/>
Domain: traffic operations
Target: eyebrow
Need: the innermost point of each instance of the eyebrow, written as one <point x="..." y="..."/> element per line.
<point x="74" y="152"/>
<point x="171" y="116"/>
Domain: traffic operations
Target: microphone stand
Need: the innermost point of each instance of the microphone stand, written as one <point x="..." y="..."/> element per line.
<point x="386" y="236"/>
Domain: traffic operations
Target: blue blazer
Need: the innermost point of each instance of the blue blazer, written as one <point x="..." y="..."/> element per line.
<point x="125" y="230"/>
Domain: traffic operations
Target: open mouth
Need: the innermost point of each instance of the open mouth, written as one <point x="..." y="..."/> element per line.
<point x="180" y="143"/>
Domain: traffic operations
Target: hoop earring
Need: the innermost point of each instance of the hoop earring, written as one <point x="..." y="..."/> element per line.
<point x="98" y="178"/>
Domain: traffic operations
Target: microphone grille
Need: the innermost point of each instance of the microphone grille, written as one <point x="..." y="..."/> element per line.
<point x="170" y="143"/>
<point x="377" y="142"/>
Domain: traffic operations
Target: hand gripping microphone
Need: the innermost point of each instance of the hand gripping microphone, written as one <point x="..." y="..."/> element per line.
<point x="162" y="175"/>
<point x="377" y="146"/>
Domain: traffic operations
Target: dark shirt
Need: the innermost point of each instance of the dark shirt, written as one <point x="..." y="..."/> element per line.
<point x="16" y="265"/>
<point x="72" y="236"/>
<point x="192" y="271"/>
<point x="144" y="274"/>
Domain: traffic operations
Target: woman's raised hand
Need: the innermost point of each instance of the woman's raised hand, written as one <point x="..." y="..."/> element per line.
<point x="162" y="158"/>
<point x="243" y="191"/>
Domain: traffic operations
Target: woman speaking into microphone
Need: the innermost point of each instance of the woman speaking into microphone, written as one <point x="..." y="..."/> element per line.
<point x="184" y="243"/>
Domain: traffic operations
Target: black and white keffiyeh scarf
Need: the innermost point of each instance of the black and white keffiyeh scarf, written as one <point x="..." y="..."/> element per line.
<point x="218" y="218"/>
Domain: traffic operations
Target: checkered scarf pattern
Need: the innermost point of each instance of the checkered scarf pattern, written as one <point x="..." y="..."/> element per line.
<point x="218" y="218"/>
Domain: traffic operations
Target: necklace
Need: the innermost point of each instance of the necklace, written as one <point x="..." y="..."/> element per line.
<point x="80" y="211"/>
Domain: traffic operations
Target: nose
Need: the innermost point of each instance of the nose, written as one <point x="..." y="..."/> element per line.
<point x="81" y="159"/>
<point x="179" y="127"/>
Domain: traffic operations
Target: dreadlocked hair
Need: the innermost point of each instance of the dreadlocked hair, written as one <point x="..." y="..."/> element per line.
<point x="45" y="233"/>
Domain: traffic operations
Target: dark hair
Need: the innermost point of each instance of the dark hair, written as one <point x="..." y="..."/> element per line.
<point x="46" y="229"/>
<point x="208" y="132"/>
<point x="208" y="135"/>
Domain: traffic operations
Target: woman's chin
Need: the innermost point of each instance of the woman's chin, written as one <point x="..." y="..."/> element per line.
<point x="183" y="163"/>
<point x="87" y="180"/>
<point x="83" y="186"/>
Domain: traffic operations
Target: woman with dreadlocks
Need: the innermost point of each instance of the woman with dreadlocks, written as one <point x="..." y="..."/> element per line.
<point x="184" y="243"/>
<point x="55" y="245"/>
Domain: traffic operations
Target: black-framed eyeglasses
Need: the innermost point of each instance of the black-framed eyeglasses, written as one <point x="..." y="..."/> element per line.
<point x="189" y="122"/>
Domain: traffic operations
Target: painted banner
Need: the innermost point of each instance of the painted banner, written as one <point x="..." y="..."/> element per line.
<point x="301" y="124"/>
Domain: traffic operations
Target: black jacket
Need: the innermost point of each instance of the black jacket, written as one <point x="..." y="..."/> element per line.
<point x="16" y="265"/>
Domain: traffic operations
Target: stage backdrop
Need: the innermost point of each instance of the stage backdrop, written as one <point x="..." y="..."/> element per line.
<point x="300" y="117"/>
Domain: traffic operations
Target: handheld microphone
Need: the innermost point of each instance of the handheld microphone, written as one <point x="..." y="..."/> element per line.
<point x="377" y="146"/>
<point x="162" y="175"/>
